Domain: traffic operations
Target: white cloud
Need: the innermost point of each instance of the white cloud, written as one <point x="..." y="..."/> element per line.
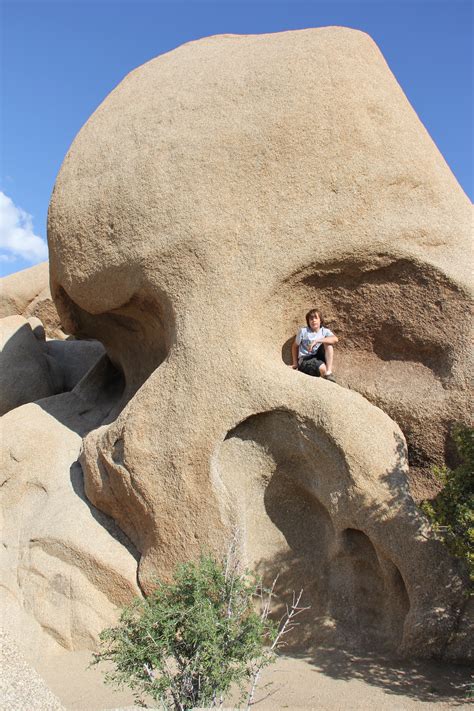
<point x="17" y="238"/>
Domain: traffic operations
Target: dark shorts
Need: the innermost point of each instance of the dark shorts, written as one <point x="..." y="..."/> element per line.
<point x="312" y="364"/>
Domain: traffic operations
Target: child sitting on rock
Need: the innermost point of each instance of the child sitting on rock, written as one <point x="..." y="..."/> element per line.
<point x="312" y="350"/>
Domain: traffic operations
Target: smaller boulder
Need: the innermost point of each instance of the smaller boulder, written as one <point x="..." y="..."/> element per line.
<point x="26" y="374"/>
<point x="27" y="293"/>
<point x="32" y="368"/>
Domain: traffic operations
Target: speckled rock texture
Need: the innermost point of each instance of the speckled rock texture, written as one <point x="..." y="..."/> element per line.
<point x="21" y="687"/>
<point x="217" y="193"/>
<point x="261" y="175"/>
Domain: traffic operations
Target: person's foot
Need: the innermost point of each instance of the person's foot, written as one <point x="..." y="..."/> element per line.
<point x="331" y="378"/>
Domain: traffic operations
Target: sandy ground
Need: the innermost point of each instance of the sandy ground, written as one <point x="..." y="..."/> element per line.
<point x="332" y="680"/>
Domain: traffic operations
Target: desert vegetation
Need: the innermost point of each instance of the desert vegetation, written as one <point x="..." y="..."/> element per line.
<point x="451" y="513"/>
<point x="192" y="640"/>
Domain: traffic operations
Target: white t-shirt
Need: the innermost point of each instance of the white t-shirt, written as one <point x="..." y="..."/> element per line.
<point x="306" y="337"/>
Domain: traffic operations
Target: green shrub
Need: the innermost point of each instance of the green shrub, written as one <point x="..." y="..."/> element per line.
<point x="451" y="513"/>
<point x="190" y="640"/>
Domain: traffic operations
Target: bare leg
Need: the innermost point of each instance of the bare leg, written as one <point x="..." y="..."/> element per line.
<point x="329" y="355"/>
<point x="322" y="369"/>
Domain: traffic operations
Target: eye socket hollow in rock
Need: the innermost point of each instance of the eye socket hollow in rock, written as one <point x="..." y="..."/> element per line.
<point x="137" y="336"/>
<point x="403" y="329"/>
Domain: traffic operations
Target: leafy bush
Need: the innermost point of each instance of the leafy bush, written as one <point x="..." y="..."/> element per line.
<point x="190" y="640"/>
<point x="451" y="513"/>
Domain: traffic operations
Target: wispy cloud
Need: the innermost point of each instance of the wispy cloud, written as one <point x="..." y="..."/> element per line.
<point x="17" y="238"/>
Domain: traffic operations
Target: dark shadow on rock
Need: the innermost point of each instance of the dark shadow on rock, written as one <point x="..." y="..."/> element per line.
<point x="72" y="359"/>
<point x="286" y="351"/>
<point x="25" y="370"/>
<point x="77" y="481"/>
<point x="337" y="652"/>
<point x="374" y="304"/>
<point x="94" y="401"/>
<point x="357" y="598"/>
<point x="427" y="681"/>
<point x="33" y="368"/>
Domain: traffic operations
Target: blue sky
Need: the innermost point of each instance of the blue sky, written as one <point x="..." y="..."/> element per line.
<point x="60" y="59"/>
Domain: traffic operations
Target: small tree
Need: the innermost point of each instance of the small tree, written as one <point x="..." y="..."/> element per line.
<point x="451" y="512"/>
<point x="191" y="640"/>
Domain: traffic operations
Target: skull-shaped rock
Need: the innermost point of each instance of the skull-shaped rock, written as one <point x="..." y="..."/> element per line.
<point x="217" y="193"/>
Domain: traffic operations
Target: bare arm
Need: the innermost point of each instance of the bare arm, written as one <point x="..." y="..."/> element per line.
<point x="330" y="340"/>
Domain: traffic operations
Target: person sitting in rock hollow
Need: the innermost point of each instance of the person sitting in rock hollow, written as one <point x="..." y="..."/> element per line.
<point x="312" y="350"/>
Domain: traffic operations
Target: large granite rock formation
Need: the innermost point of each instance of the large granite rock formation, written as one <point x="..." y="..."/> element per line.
<point x="218" y="192"/>
<point x="296" y="155"/>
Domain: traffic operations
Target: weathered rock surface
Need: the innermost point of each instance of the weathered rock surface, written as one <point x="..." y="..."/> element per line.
<point x="32" y="368"/>
<point x="217" y="193"/>
<point x="297" y="155"/>
<point x="25" y="372"/>
<point x="27" y="293"/>
<point x="21" y="687"/>
<point x="63" y="572"/>
<point x="65" y="566"/>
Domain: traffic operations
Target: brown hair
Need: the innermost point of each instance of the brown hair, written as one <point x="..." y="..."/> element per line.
<point x="314" y="312"/>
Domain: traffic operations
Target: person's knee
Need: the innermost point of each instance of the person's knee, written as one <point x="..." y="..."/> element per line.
<point x="329" y="356"/>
